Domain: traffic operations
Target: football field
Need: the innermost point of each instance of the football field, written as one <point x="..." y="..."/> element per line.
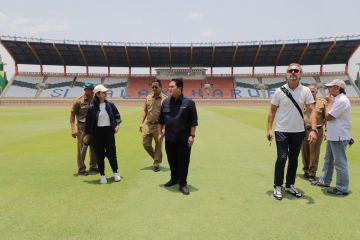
<point x="230" y="181"/>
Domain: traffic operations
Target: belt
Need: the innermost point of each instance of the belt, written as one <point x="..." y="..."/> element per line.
<point x="309" y="128"/>
<point x="153" y="123"/>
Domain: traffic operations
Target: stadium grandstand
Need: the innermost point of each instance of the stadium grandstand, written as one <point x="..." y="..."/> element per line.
<point x="193" y="62"/>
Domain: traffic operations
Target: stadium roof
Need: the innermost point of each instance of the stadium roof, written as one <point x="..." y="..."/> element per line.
<point x="334" y="50"/>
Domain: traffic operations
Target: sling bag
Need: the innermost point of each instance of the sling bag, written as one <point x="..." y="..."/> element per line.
<point x="288" y="94"/>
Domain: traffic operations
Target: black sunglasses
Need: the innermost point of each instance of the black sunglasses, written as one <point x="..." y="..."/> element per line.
<point x="293" y="70"/>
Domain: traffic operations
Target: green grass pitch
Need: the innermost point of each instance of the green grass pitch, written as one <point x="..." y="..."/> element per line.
<point x="230" y="179"/>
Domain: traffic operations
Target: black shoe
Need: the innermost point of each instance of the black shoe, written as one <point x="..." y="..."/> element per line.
<point x="84" y="173"/>
<point x="93" y="169"/>
<point x="170" y="183"/>
<point x="311" y="178"/>
<point x="184" y="190"/>
<point x="320" y="184"/>
<point x="306" y="175"/>
<point x="336" y="191"/>
<point x="156" y="168"/>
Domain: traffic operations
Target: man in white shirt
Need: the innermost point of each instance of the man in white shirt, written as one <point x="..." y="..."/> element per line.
<point x="289" y="129"/>
<point x="339" y="122"/>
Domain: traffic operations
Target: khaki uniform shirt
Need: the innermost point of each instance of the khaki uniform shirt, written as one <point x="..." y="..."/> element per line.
<point x="320" y="106"/>
<point x="80" y="108"/>
<point x="152" y="107"/>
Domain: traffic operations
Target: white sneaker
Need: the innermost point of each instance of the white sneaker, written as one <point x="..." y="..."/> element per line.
<point x="117" y="178"/>
<point x="277" y="192"/>
<point x="103" y="180"/>
<point x="293" y="191"/>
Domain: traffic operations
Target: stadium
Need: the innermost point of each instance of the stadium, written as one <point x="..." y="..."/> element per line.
<point x="190" y="62"/>
<point x="231" y="169"/>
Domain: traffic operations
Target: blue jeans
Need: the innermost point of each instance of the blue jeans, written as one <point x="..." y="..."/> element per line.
<point x="288" y="145"/>
<point x="335" y="157"/>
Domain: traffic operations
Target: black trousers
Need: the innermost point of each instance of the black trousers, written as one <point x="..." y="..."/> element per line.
<point x="104" y="144"/>
<point x="178" y="155"/>
<point x="288" y="145"/>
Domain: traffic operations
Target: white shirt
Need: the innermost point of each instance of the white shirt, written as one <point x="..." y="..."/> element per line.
<point x="288" y="118"/>
<point x="339" y="128"/>
<point x="104" y="119"/>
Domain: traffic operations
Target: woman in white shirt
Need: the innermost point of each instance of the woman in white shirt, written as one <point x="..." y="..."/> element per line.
<point x="102" y="122"/>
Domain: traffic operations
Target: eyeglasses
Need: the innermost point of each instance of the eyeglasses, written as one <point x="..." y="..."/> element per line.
<point x="293" y="70"/>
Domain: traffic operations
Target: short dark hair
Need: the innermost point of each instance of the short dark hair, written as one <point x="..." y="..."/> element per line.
<point x="179" y="82"/>
<point x="341" y="90"/>
<point x="157" y="80"/>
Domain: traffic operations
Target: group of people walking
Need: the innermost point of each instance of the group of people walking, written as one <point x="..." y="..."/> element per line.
<point x="174" y="117"/>
<point x="297" y="130"/>
<point x="302" y="121"/>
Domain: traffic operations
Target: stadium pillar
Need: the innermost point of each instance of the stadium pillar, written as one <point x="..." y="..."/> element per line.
<point x="321" y="70"/>
<point x="232" y="71"/>
<point x="346" y="68"/>
<point x="274" y="71"/>
<point x="109" y="73"/>
<point x="16" y="69"/>
<point x="129" y="71"/>
<point x="41" y="70"/>
<point x="253" y="71"/>
<point x="87" y="70"/>
<point x="150" y="71"/>
<point x="65" y="71"/>
<point x="211" y="71"/>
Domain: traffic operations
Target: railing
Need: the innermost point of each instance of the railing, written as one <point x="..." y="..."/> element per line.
<point x="242" y="75"/>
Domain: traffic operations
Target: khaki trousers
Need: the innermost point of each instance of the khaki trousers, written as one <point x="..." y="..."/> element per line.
<point x="151" y="132"/>
<point x="80" y="162"/>
<point x="310" y="153"/>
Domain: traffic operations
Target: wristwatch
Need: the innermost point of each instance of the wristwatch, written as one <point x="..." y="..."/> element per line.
<point x="315" y="130"/>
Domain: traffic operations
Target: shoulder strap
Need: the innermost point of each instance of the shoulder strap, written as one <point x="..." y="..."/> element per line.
<point x="288" y="94"/>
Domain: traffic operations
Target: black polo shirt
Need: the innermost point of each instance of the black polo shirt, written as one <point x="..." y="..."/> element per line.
<point x="178" y="116"/>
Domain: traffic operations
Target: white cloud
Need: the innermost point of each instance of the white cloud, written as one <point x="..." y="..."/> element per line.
<point x="195" y="15"/>
<point x="30" y="25"/>
<point x="207" y="33"/>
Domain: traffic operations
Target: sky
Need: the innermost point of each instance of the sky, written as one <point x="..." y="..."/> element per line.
<point x="185" y="21"/>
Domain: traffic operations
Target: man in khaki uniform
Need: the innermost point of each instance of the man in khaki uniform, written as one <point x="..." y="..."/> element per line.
<point x="79" y="110"/>
<point x="310" y="152"/>
<point x="150" y="129"/>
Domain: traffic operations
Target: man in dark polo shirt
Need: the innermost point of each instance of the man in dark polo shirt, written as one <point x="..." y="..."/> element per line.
<point x="179" y="117"/>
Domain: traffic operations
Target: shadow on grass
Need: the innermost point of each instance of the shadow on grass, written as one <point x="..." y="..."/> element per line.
<point x="150" y="168"/>
<point x="324" y="191"/>
<point x="289" y="196"/>
<point x="300" y="175"/>
<point x="110" y="180"/>
<point x="175" y="188"/>
<point x="90" y="173"/>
